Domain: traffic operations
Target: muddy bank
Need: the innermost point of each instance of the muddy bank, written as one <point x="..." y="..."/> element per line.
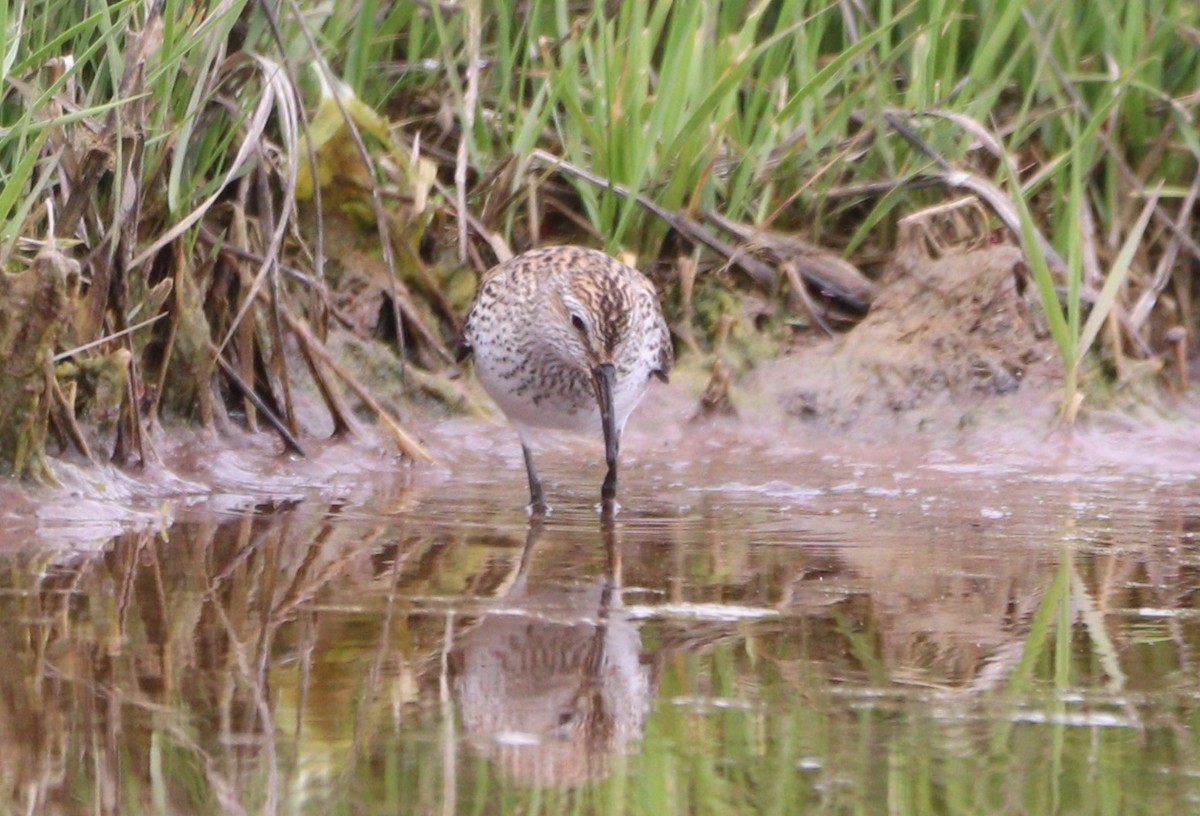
<point x="227" y="472"/>
<point x="954" y="360"/>
<point x="943" y="339"/>
<point x="951" y="362"/>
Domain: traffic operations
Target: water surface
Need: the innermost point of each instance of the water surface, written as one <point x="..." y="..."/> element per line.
<point x="758" y="632"/>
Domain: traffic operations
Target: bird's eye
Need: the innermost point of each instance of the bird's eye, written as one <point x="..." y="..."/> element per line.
<point x="579" y="323"/>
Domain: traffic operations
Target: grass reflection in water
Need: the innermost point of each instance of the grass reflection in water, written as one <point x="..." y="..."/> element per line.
<point x="327" y="660"/>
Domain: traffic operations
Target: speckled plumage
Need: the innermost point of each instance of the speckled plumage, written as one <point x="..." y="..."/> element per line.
<point x="542" y="326"/>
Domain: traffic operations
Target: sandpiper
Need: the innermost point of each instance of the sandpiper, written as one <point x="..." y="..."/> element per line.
<point x="567" y="338"/>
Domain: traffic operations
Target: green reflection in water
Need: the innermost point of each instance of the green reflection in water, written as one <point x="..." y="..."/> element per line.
<point x="318" y="660"/>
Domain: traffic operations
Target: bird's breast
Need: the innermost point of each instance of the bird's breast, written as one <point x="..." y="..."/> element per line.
<point x="535" y="387"/>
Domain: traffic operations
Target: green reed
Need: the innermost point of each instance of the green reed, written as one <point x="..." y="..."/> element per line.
<point x="754" y="109"/>
<point x="780" y="115"/>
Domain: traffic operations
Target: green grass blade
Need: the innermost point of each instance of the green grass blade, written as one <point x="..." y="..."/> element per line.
<point x="1117" y="275"/>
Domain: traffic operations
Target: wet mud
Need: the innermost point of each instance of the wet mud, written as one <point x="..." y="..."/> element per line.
<point x="944" y="338"/>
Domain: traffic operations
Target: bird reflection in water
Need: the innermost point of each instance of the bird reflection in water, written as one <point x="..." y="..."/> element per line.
<point x="552" y="686"/>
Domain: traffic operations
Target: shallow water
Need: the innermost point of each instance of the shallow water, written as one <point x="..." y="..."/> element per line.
<point x="758" y="632"/>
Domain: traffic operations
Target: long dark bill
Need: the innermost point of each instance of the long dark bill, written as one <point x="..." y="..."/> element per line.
<point x="604" y="378"/>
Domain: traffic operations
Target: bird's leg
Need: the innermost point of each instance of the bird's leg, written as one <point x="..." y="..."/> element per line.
<point x="608" y="491"/>
<point x="537" y="496"/>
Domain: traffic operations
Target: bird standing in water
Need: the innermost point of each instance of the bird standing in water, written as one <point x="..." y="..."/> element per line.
<point x="567" y="338"/>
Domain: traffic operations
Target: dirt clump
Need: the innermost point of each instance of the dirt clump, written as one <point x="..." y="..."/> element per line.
<point x="943" y="337"/>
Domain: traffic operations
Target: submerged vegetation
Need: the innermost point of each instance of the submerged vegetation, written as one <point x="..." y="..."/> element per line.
<point x="242" y="183"/>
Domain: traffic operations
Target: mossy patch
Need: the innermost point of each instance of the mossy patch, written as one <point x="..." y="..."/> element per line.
<point x="35" y="310"/>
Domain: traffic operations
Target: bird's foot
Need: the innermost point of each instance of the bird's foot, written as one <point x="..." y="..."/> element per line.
<point x="538" y="509"/>
<point x="608" y="508"/>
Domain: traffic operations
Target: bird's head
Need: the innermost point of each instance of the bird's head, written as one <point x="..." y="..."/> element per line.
<point x="595" y="315"/>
